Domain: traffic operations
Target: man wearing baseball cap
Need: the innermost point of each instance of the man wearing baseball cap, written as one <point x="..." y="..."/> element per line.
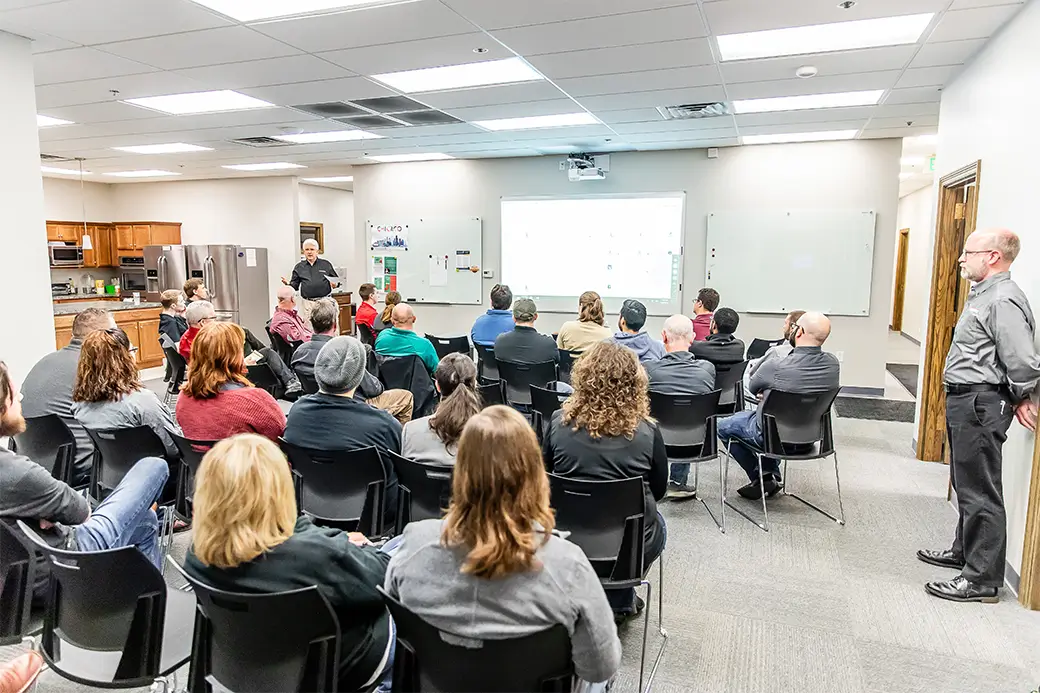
<point x="524" y="344"/>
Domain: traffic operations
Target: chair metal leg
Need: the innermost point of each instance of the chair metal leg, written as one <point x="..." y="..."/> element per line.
<point x="720" y="524"/>
<point x="166" y="537"/>
<point x="646" y="631"/>
<point x="764" y="525"/>
<point x="837" y="479"/>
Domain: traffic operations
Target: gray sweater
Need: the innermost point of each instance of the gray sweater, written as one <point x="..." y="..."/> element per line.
<point x="140" y="408"/>
<point x="426" y="578"/>
<point x="420" y="443"/>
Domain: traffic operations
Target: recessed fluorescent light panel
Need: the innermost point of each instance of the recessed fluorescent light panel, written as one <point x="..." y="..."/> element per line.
<point x="252" y="10"/>
<point x="534" y="122"/>
<point x="43" y="121"/>
<point x="200" y="102"/>
<point x="332" y="136"/>
<point x="800" y="137"/>
<point x="801" y="103"/>
<point x="398" y="158"/>
<point x="142" y="174"/>
<point x="274" y="166"/>
<point x="822" y="38"/>
<point x="172" y="148"/>
<point x="63" y="171"/>
<point x="331" y="179"/>
<point x="461" y="76"/>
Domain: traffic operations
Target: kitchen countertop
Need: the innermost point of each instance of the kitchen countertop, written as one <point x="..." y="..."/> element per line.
<point x="85" y="297"/>
<point x="71" y="308"/>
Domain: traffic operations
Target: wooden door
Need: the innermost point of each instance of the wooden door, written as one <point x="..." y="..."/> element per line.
<point x="124" y="237"/>
<point x="53" y="232"/>
<point x="113" y="250"/>
<point x="141" y="234"/>
<point x="899" y="293"/>
<point x="134" y="334"/>
<point x="165" y="234"/>
<point x="98" y="254"/>
<point x="346" y="322"/>
<point x="62" y="337"/>
<point x="149" y="352"/>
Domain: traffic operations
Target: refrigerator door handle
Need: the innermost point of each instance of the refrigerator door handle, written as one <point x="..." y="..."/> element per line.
<point x="162" y="273"/>
<point x="207" y="276"/>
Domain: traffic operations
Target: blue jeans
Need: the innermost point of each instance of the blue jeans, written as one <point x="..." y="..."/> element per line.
<point x="744" y="430"/>
<point x="385" y="685"/>
<point x="126" y="517"/>
<point x="679" y="474"/>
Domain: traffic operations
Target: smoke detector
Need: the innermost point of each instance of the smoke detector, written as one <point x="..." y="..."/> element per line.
<point x="806" y="71"/>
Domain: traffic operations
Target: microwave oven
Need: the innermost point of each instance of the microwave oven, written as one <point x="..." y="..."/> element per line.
<point x="65" y="255"/>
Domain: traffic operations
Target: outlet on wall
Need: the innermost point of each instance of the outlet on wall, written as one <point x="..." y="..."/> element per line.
<point x="840" y="355"/>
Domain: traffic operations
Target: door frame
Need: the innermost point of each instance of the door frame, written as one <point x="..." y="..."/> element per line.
<point x="899" y="288"/>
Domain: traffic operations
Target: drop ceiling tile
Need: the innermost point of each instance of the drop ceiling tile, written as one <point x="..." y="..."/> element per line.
<point x="78" y="64"/>
<point x="692" y="127"/>
<point x="652" y="99"/>
<point x="701" y="136"/>
<point x="6" y="5"/>
<point x="346" y="89"/>
<point x="515" y="110"/>
<point x="198" y="48"/>
<point x="828" y="64"/>
<point x="501" y="15"/>
<point x="863" y="81"/>
<point x="189" y="124"/>
<point x="968" y="4"/>
<point x="914" y="95"/>
<point x="91" y="22"/>
<point x="896" y="132"/>
<point x="739" y="16"/>
<point x="489" y="96"/>
<point x="259" y="73"/>
<point x="927" y="76"/>
<point x="819" y="115"/>
<point x="106" y="111"/>
<point x="635" y="115"/>
<point x="802" y="127"/>
<point x="433" y="52"/>
<point x="44" y="43"/>
<point x="687" y="144"/>
<point x="675" y="78"/>
<point x="128" y="86"/>
<point x="906" y="110"/>
<point x="888" y="123"/>
<point x="670" y="24"/>
<point x="971" y="24"/>
<point x="946" y="53"/>
<point x="606" y="61"/>
<point x="373" y="26"/>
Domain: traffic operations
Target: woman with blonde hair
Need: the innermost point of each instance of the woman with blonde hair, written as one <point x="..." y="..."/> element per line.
<point x="604" y="432"/>
<point x="218" y="401"/>
<point x="391" y="300"/>
<point x="434" y="439"/>
<point x="492" y="567"/>
<point x="248" y="538"/>
<point x="580" y="334"/>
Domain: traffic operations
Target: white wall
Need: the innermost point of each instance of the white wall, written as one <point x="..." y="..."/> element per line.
<point x="63" y="200"/>
<point x="335" y="209"/>
<point x="989" y="113"/>
<point x="916" y="213"/>
<point x="858" y="174"/>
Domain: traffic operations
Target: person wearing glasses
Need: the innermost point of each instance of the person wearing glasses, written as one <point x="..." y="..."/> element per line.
<point x="198" y="314"/>
<point x="991" y="375"/>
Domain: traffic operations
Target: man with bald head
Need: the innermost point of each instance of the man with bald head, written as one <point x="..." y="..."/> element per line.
<point x="286" y="322"/>
<point x="401" y="339"/>
<point x="807" y="369"/>
<point x="991" y="374"/>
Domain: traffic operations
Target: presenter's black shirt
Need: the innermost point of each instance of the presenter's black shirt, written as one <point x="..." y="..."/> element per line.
<point x="312" y="280"/>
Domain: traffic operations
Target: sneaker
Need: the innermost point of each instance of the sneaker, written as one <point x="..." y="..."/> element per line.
<point x="625" y="614"/>
<point x="677" y="491"/>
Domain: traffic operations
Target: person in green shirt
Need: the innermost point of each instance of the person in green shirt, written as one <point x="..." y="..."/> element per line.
<point x="401" y="339"/>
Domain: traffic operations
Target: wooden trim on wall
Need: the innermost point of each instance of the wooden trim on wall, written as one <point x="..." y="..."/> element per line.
<point x="1029" y="582"/>
<point x="899" y="291"/>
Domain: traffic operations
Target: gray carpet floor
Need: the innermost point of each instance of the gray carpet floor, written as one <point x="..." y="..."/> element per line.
<point x="812" y="607"/>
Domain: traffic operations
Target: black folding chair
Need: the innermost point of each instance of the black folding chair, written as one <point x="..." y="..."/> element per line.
<point x="544" y="403"/>
<point x="366" y="334"/>
<point x="283" y="348"/>
<point x="192" y="452"/>
<point x="487" y="366"/>
<point x="423" y="490"/>
<point x="450" y="345"/>
<point x="261" y="375"/>
<point x="519" y="377"/>
<point x="264" y="643"/>
<point x="795" y="426"/>
<point x="729" y="378"/>
<point x="340" y="488"/>
<point x="758" y="347"/>
<point x="307" y="382"/>
<point x="689" y="427"/>
<point x="48" y="442"/>
<point x="178" y="368"/>
<point x="606" y="519"/>
<point x="111" y="619"/>
<point x="430" y="659"/>
<point x="491" y="393"/>
<point x="17" y="578"/>
<point x="409" y="373"/>
<point x="567" y="359"/>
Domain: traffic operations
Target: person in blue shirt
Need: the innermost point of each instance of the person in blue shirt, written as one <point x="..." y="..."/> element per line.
<point x="497" y="320"/>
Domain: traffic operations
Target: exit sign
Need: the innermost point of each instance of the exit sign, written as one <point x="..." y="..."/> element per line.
<point x="931" y="163"/>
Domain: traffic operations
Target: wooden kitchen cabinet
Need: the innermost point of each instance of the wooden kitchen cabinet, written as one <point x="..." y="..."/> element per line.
<point x="346" y="322"/>
<point x="62" y="337"/>
<point x="124" y="236"/>
<point x="68" y="233"/>
<point x="142" y="236"/>
<point x="164" y="234"/>
<point x="149" y="350"/>
<point x="101" y="254"/>
<point x="140" y="324"/>
<point x="110" y="241"/>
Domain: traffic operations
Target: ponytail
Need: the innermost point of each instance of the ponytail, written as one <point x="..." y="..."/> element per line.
<point x="456" y="375"/>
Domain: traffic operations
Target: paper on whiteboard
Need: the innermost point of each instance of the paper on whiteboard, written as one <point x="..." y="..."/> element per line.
<point x="250" y="257"/>
<point x="462" y="260"/>
<point x="438" y="270"/>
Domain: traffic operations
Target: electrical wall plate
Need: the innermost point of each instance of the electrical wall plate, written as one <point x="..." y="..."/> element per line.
<point x="489" y="274"/>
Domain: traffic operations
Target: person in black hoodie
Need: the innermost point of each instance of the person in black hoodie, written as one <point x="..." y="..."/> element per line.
<point x="247" y="538"/>
<point x="721" y="348"/>
<point x="171" y="320"/>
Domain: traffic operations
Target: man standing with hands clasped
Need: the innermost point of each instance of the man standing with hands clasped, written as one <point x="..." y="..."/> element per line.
<point x="312" y="277"/>
<point x="992" y="370"/>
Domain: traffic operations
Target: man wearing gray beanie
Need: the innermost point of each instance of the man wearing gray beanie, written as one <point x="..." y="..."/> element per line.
<point x="332" y="419"/>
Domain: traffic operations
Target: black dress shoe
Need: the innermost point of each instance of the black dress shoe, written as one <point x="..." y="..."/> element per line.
<point x="752" y="491"/>
<point x="959" y="589"/>
<point x="772" y="486"/>
<point x="943" y="559"/>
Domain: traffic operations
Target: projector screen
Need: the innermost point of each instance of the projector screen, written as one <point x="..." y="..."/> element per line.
<point x="620" y="246"/>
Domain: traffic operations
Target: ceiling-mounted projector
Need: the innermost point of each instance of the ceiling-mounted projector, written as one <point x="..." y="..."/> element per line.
<point x="587" y="167"/>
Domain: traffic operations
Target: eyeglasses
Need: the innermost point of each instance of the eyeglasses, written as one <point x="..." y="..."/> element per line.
<point x="975" y="252"/>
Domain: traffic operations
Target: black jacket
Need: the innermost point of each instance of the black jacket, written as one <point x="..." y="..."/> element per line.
<point x="173" y="325"/>
<point x="719" y="349"/>
<point x="680" y="373"/>
<point x="307" y="353"/>
<point x="526" y="345"/>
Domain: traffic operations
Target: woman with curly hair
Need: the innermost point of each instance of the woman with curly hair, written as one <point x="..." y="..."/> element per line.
<point x="604" y="432"/>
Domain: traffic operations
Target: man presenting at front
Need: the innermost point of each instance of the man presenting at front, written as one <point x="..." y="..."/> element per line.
<point x="991" y="371"/>
<point x="310" y="277"/>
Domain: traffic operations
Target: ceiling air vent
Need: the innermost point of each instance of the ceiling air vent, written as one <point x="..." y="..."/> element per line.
<point x="693" y="110"/>
<point x="261" y="142"/>
<point x="54" y="157"/>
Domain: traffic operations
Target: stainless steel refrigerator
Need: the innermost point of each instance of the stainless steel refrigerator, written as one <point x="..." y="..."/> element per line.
<point x="236" y="277"/>
<point x="165" y="268"/>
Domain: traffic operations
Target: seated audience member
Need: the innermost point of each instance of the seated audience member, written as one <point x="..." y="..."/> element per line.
<point x="492" y="567"/>
<point x="401" y="339"/>
<point x="248" y="538"/>
<point x="631" y="321"/>
<point x="109" y="393"/>
<point x="48" y="387"/>
<point x="64" y="518"/>
<point x="604" y="431"/>
<point x="323" y="321"/>
<point x="366" y="312"/>
<point x="286" y="322"/>
<point x="721" y="347"/>
<point x="333" y="420"/>
<point x="578" y="335"/>
<point x="776" y="351"/>
<point x="172" y="322"/>
<point x="679" y="372"/>
<point x="806" y="369"/>
<point x="525" y="344"/>
<point x="218" y="401"/>
<point x="496" y="321"/>
<point x="703" y="308"/>
<point x="433" y="439"/>
<point x="198" y="314"/>
<point x="195" y="290"/>
<point x="385" y="319"/>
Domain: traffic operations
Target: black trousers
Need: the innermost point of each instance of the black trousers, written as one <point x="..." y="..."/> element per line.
<point x="977" y="424"/>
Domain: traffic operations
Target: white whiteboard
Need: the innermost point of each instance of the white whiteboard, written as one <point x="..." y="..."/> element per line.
<point x="779" y="261"/>
<point x="427" y="260"/>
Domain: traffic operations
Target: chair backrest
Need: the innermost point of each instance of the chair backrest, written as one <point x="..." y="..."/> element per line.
<point x="487" y="366"/>
<point x="178" y="366"/>
<point x="604" y="518"/>
<point x="491" y="393"/>
<point x="518" y="378"/>
<point x="424" y="490"/>
<point x="284" y="348"/>
<point x="104" y="601"/>
<point x="17" y="576"/>
<point x="267" y="643"/>
<point x="261" y="375"/>
<point x="450" y="345"/>
<point x="48" y="442"/>
<point x="119" y="450"/>
<point x="729" y="378"/>
<point x="430" y="659"/>
<point x="344" y="488"/>
<point x="684" y="421"/>
<point x="567" y="364"/>
<point x="792" y="418"/>
<point x="759" y="347"/>
<point x="192" y="452"/>
<point x="409" y="373"/>
<point x="307" y="382"/>
<point x="366" y="334"/>
<point x="544" y="402"/>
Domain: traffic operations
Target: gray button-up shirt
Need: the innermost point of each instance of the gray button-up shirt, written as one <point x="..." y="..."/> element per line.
<point x="993" y="340"/>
